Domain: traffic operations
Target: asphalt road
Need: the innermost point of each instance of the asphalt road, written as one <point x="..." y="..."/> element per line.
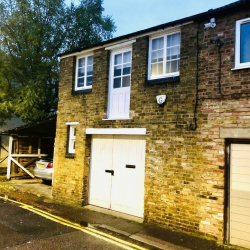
<point x="23" y="229"/>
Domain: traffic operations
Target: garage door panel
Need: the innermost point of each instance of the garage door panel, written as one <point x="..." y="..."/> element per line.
<point x="240" y="201"/>
<point x="125" y="155"/>
<point x="240" y="238"/>
<point x="241" y="155"/>
<point x="240" y="242"/>
<point x="240" y="195"/>
<point x="239" y="162"/>
<point x="236" y="169"/>
<point x="241" y="186"/>
<point x="240" y="218"/>
<point x="129" y="164"/>
<point x="240" y="147"/>
<point x="240" y="226"/>
<point x="243" y="178"/>
<point x="240" y="210"/>
<point x="101" y="160"/>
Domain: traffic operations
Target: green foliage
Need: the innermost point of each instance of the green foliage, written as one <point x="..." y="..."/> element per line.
<point x="32" y="33"/>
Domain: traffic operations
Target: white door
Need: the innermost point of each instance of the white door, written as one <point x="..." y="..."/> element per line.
<point x="118" y="185"/>
<point x="240" y="195"/>
<point x="119" y="84"/>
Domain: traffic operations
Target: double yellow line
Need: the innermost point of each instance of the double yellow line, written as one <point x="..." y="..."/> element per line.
<point x="111" y="239"/>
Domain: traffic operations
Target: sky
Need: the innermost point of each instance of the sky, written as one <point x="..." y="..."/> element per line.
<point x="135" y="15"/>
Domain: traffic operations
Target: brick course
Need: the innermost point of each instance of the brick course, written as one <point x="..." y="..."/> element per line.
<point x="185" y="169"/>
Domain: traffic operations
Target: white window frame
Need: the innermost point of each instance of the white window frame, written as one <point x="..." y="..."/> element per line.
<point x="85" y="77"/>
<point x="238" y="64"/>
<point x="72" y="139"/>
<point x="164" y="75"/>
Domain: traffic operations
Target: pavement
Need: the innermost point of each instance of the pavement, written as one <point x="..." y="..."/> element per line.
<point x="36" y="193"/>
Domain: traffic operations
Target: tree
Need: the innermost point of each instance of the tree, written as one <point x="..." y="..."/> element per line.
<point x="32" y="33"/>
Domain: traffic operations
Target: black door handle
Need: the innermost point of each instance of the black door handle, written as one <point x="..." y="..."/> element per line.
<point x="110" y="171"/>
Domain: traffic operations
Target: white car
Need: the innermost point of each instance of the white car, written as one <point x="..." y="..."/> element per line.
<point x="44" y="169"/>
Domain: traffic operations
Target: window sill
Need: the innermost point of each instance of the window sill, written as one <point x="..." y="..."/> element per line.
<point x="164" y="80"/>
<point x="75" y="92"/>
<point x="113" y="119"/>
<point x="241" y="67"/>
<point x="70" y="155"/>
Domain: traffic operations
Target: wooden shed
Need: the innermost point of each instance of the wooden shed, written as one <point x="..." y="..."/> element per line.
<point x="29" y="143"/>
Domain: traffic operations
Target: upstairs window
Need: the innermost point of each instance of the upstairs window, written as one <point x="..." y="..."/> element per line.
<point x="84" y="72"/>
<point x="242" y="44"/>
<point x="164" y="56"/>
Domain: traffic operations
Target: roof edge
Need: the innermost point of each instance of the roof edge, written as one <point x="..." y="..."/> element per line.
<point x="195" y="18"/>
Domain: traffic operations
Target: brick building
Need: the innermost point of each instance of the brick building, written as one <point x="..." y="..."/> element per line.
<point x="156" y="124"/>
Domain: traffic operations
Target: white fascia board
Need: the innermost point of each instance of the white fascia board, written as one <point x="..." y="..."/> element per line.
<point x="120" y="45"/>
<point x="116" y="131"/>
<point x="82" y="53"/>
<point x="72" y="123"/>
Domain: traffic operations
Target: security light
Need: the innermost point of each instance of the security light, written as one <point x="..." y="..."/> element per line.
<point x="217" y="41"/>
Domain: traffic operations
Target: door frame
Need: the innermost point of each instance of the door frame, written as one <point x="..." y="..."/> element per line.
<point x="227" y="182"/>
<point x="109" y="131"/>
<point x="111" y="72"/>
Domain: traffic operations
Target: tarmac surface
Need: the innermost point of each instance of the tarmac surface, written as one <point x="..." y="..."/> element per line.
<point x="119" y="224"/>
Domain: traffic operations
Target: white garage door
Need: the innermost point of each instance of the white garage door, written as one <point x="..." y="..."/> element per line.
<point x="117" y="173"/>
<point x="240" y="195"/>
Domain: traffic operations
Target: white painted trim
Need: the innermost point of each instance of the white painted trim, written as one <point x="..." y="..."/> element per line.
<point x="152" y="33"/>
<point x="28" y="155"/>
<point x="82" y="53"/>
<point x="72" y="123"/>
<point x="120" y="45"/>
<point x="9" y="159"/>
<point x="242" y="67"/>
<point x="116" y="118"/>
<point x="116" y="131"/>
<point x="238" y="64"/>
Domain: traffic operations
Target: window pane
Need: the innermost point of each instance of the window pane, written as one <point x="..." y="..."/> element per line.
<point x="160" y="55"/>
<point x="127" y="57"/>
<point x="174" y="66"/>
<point x="90" y="70"/>
<point x="73" y="142"/>
<point x="168" y="54"/>
<point x="173" y="40"/>
<point x="89" y="80"/>
<point x="160" y="68"/>
<point x="90" y="60"/>
<point x="153" y="69"/>
<point x="118" y="59"/>
<point x="81" y="72"/>
<point x="154" y="57"/>
<point x="80" y="82"/>
<point x="126" y="69"/>
<point x="117" y="82"/>
<point x="126" y="81"/>
<point x="117" y="70"/>
<point x="168" y="67"/>
<point x="81" y="62"/>
<point x="245" y="43"/>
<point x="175" y="52"/>
<point x="157" y="43"/>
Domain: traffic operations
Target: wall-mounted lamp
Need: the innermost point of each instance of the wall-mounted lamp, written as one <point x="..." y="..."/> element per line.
<point x="217" y="41"/>
<point x="161" y="100"/>
<point x="212" y="24"/>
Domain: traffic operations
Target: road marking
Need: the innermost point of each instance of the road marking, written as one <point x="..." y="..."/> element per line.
<point x="111" y="239"/>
